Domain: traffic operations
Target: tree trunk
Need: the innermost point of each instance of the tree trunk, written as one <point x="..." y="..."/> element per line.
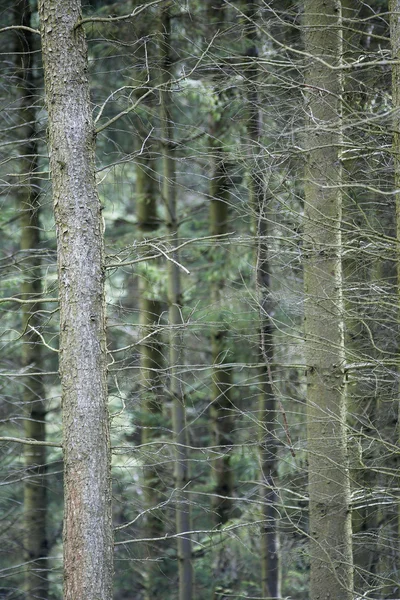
<point x="222" y="419"/>
<point x="183" y="521"/>
<point x="151" y="385"/>
<point x="88" y="539"/>
<point x="331" y="574"/>
<point x="394" y="7"/>
<point x="35" y="496"/>
<point x="270" y="564"/>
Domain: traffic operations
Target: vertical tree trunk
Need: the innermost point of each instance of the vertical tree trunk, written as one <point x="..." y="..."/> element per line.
<point x="331" y="574"/>
<point x="151" y="391"/>
<point x="394" y="7"/>
<point x="270" y="564"/>
<point x="361" y="395"/>
<point x="88" y="539"/>
<point x="222" y="419"/>
<point x="35" y="497"/>
<point x="175" y="317"/>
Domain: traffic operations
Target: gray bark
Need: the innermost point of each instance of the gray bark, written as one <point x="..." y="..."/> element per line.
<point x="88" y="540"/>
<point x="331" y="575"/>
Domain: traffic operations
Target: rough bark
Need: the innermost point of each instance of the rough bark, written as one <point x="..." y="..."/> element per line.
<point x="35" y="496"/>
<point x="88" y="540"/>
<point x="175" y="317"/>
<point x="270" y="563"/>
<point x="331" y="575"/>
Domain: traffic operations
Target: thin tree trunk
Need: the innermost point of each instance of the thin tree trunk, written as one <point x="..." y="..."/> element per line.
<point x="394" y="7"/>
<point x="331" y="574"/>
<point x="183" y="521"/>
<point x="88" y="539"/>
<point x="361" y="395"/>
<point x="151" y="390"/>
<point x="222" y="418"/>
<point x="270" y="563"/>
<point x="35" y="496"/>
<point x="221" y="412"/>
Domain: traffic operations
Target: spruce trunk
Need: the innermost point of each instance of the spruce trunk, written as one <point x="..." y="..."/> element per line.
<point x="35" y="496"/>
<point x="222" y="419"/>
<point x="394" y="7"/>
<point x="331" y="574"/>
<point x="88" y="539"/>
<point x="270" y="563"/>
<point x="182" y="510"/>
<point x="151" y="390"/>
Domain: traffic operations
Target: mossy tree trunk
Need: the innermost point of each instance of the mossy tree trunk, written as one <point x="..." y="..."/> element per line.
<point x="259" y="203"/>
<point x="88" y="538"/>
<point x="331" y="575"/>
<point x="181" y="475"/>
<point x="35" y="496"/>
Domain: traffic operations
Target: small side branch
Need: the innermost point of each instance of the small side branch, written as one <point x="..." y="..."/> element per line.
<point x="30" y="442"/>
<point x="134" y="13"/>
<point x="20" y="27"/>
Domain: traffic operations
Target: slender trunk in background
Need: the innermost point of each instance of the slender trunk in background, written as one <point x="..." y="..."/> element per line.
<point x="183" y="521"/>
<point x="357" y="272"/>
<point x="222" y="418"/>
<point x="88" y="538"/>
<point x="331" y="576"/>
<point x="35" y="496"/>
<point x="394" y="7"/>
<point x="151" y="385"/>
<point x="270" y="564"/>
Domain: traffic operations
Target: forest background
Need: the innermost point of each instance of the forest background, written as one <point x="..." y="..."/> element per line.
<point x="247" y="194"/>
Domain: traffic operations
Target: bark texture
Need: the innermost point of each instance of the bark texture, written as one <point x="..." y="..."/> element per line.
<point x="270" y="563"/>
<point x="88" y="540"/>
<point x="35" y="496"/>
<point x="331" y="574"/>
<point x="175" y="316"/>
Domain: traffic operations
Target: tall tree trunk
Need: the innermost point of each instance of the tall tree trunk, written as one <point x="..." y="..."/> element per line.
<point x="88" y="539"/>
<point x="394" y="7"/>
<point x="35" y="497"/>
<point x="331" y="574"/>
<point x="222" y="419"/>
<point x="183" y="520"/>
<point x="357" y="272"/>
<point x="151" y="391"/>
<point x="270" y="564"/>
